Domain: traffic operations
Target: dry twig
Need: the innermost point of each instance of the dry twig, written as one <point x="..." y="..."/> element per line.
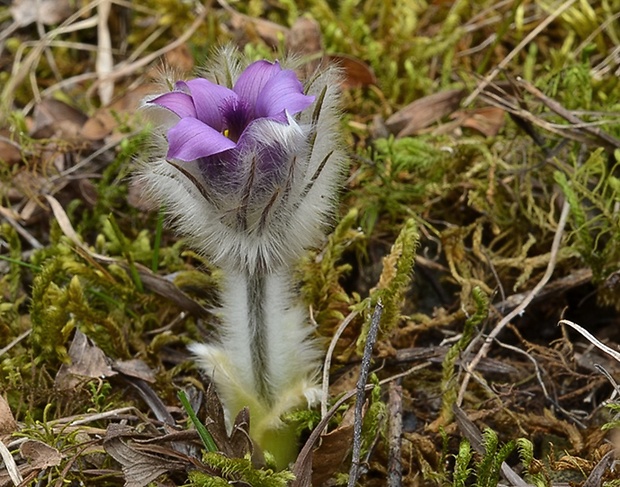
<point x="361" y="390"/>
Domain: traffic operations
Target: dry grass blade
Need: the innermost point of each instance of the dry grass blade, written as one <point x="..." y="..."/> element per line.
<point x="105" y="62"/>
<point x="328" y="360"/>
<point x="10" y="465"/>
<point x="592" y="339"/>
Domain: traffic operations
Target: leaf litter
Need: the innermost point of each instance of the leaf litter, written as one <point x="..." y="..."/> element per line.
<point x="488" y="133"/>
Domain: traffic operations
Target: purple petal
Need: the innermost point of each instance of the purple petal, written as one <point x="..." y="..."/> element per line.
<point x="254" y="78"/>
<point x="176" y="102"/>
<point x="190" y="139"/>
<point x="282" y="92"/>
<point x="208" y="98"/>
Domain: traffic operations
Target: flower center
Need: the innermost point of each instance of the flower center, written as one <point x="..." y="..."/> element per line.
<point x="237" y="115"/>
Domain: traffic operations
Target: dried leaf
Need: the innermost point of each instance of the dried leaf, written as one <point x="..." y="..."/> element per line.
<point x="40" y="455"/>
<point x="153" y="401"/>
<point x="13" y="476"/>
<point x="9" y="152"/>
<point x="255" y="28"/>
<point x="139" y="467"/>
<point x="135" y="368"/>
<point x="215" y="423"/>
<point x="486" y="120"/>
<point x="54" y="118"/>
<point x="87" y="360"/>
<point x="356" y="72"/>
<point x="240" y="442"/>
<point x="106" y="119"/>
<point x="424" y="111"/>
<point x="335" y="447"/>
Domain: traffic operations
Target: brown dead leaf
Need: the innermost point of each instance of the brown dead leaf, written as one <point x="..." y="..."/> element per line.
<point x="345" y="382"/>
<point x="140" y="466"/>
<point x="334" y="448"/>
<point x="252" y="29"/>
<point x="162" y="287"/>
<point x="54" y="118"/>
<point x="87" y="360"/>
<point x="424" y="111"/>
<point x="40" y="455"/>
<point x="10" y="152"/>
<point x="356" y="73"/>
<point x="135" y="368"/>
<point x="106" y="119"/>
<point x="238" y="443"/>
<point x="8" y="424"/>
<point x="150" y="397"/>
<point x="486" y="120"/>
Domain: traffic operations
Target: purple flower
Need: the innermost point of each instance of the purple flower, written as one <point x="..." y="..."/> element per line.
<point x="218" y="124"/>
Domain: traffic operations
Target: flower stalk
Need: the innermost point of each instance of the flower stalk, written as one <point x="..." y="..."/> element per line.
<point x="247" y="165"/>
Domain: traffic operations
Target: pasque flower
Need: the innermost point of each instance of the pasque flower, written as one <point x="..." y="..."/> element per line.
<point x="247" y="163"/>
<point x="215" y="119"/>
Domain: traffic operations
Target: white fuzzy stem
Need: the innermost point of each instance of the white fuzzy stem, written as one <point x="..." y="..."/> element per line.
<point x="265" y="356"/>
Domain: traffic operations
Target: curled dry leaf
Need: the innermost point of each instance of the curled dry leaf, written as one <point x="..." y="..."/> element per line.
<point x="40" y="455"/>
<point x="424" y="111"/>
<point x="135" y="368"/>
<point x="334" y="448"/>
<point x="486" y="120"/>
<point x="140" y="466"/>
<point x="356" y="73"/>
<point x="54" y="118"/>
<point x="105" y="120"/>
<point x="87" y="360"/>
<point x="238" y="443"/>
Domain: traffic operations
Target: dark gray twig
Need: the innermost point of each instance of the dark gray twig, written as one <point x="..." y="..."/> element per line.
<point x="361" y="390"/>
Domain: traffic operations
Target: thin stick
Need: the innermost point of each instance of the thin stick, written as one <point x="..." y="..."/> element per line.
<point x="555" y="247"/>
<point x="361" y="389"/>
<point x="15" y="342"/>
